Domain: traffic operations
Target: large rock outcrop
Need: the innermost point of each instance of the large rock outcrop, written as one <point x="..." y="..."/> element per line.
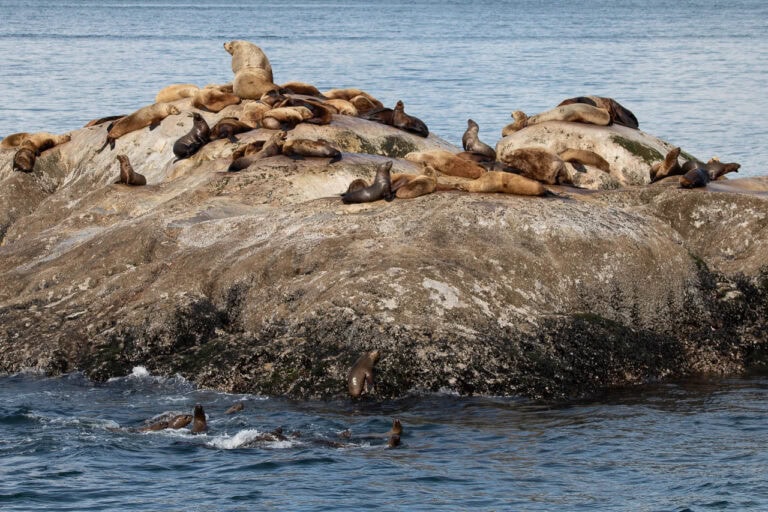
<point x="263" y="281"/>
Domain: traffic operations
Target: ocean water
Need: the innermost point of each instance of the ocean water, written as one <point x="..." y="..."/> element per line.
<point x="693" y="72"/>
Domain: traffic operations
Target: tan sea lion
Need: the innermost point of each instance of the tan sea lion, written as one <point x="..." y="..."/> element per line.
<point x="102" y="120"/>
<point x="236" y="407"/>
<point x="13" y="140"/>
<point x="365" y="103"/>
<point x="301" y="88"/>
<point x="227" y="128"/>
<point x="536" y="163"/>
<point x="300" y="148"/>
<point x="175" y="92"/>
<point x="272" y="147"/>
<point x="520" y="122"/>
<point x="446" y="162"/>
<point x="409" y="186"/>
<point x="253" y="113"/>
<point x="585" y="157"/>
<point x="214" y="99"/>
<point x="191" y="142"/>
<point x="344" y="94"/>
<point x="472" y="143"/>
<point x="360" y="376"/>
<point x="44" y="140"/>
<point x="668" y="167"/>
<point x="285" y="118"/>
<point x="573" y="113"/>
<point x="150" y="115"/>
<point x="253" y="72"/>
<point x="342" y="107"/>
<point x="381" y="188"/>
<point x="617" y="112"/>
<point x="408" y="123"/>
<point x="503" y="182"/>
<point x="127" y="174"/>
<point x="694" y="178"/>
<point x="199" y="424"/>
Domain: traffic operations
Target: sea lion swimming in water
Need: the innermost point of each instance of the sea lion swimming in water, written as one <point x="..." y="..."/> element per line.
<point x="360" y="376"/>
<point x="191" y="142"/>
<point x="127" y="174"/>
<point x="380" y="189"/>
<point x="694" y="178"/>
<point x="237" y="407"/>
<point x="199" y="423"/>
<point x="471" y="142"/>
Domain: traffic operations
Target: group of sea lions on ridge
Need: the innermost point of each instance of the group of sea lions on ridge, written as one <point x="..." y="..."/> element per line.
<point x="525" y="171"/>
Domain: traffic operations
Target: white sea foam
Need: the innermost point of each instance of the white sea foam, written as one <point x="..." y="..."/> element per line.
<point x="246" y="438"/>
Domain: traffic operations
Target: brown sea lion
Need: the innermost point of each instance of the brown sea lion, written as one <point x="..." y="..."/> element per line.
<point x="357" y="184"/>
<point x="150" y="115"/>
<point x="472" y="143"/>
<point x="199" y="424"/>
<point x="409" y="186"/>
<point x="381" y="188"/>
<point x="616" y="111"/>
<point x="253" y="72"/>
<point x="300" y="148"/>
<point x="573" y="113"/>
<point x="301" y="88"/>
<point x="716" y="168"/>
<point x="503" y="182"/>
<point x="25" y="157"/>
<point x="446" y="162"/>
<point x="236" y="407"/>
<point x="360" y="376"/>
<point x="381" y="115"/>
<point x="285" y="118"/>
<point x="668" y="167"/>
<point x="13" y="140"/>
<point x="191" y="142"/>
<point x="365" y="103"/>
<point x="342" y="107"/>
<point x="213" y="99"/>
<point x="585" y="157"/>
<point x="407" y="122"/>
<point x="344" y="94"/>
<point x="536" y="163"/>
<point x="228" y="127"/>
<point x="272" y="147"/>
<point x="248" y="149"/>
<point x="253" y="113"/>
<point x="127" y="174"/>
<point x="393" y="441"/>
<point x="175" y="92"/>
<point x="102" y="120"/>
<point x="694" y="178"/>
<point x="520" y="122"/>
<point x="165" y="421"/>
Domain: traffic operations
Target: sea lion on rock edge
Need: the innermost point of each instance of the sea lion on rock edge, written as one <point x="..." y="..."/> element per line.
<point x="503" y="182"/>
<point x="300" y="148"/>
<point x="536" y="163"/>
<point x="127" y="174"/>
<point x="446" y="162"/>
<point x="360" y="376"/>
<point x="191" y="142"/>
<point x="668" y="167"/>
<point x="175" y="92"/>
<point x="716" y="168"/>
<point x="694" y="178"/>
<point x="150" y="115"/>
<point x="471" y="142"/>
<point x="573" y="113"/>
<point x="381" y="188"/>
<point x="13" y="140"/>
<point x="253" y="72"/>
<point x="616" y="111"/>
<point x="407" y="122"/>
<point x="199" y="424"/>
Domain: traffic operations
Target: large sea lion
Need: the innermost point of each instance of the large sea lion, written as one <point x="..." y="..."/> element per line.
<point x="447" y="163"/>
<point x="360" y="376"/>
<point x="214" y="99"/>
<point x="150" y="115"/>
<point x="285" y="118"/>
<point x="472" y="143"/>
<point x="380" y="189"/>
<point x="253" y="72"/>
<point x="503" y="182"/>
<point x="407" y="122"/>
<point x="127" y="174"/>
<point x="694" y="178"/>
<point x="616" y="111"/>
<point x="13" y="140"/>
<point x="175" y="92"/>
<point x="573" y="113"/>
<point x="536" y="163"/>
<point x="199" y="424"/>
<point x="228" y="127"/>
<point x="191" y="142"/>
<point x="300" y="148"/>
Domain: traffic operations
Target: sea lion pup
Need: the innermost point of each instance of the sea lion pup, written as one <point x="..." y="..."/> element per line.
<point x="300" y="148"/>
<point x="342" y="107"/>
<point x="360" y="376"/>
<point x="253" y="72"/>
<point x="503" y="182"/>
<point x="716" y="168"/>
<point x="127" y="174"/>
<point x="409" y="186"/>
<point x="381" y="188"/>
<point x="175" y="92"/>
<point x="617" y="112"/>
<point x="520" y="122"/>
<point x="199" y="423"/>
<point x="13" y="140"/>
<point x="102" y="120"/>
<point x="25" y="157"/>
<point x="446" y="162"/>
<point x="668" y="167"/>
<point x="408" y="123"/>
<point x="585" y="157"/>
<point x="694" y="178"/>
<point x="301" y="88"/>
<point x="471" y="142"/>
<point x="272" y="147"/>
<point x="285" y="118"/>
<point x="236" y="407"/>
<point x="198" y="136"/>
<point x="573" y="113"/>
<point x="214" y="99"/>
<point x="151" y="116"/>
<point x="227" y="128"/>
<point x="536" y="163"/>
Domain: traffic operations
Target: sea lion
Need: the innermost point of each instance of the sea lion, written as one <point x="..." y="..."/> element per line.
<point x="383" y="115"/>
<point x="408" y="123"/>
<point x="227" y="128"/>
<point x="694" y="178"/>
<point x="381" y="188"/>
<point x="536" y="163"/>
<point x="668" y="167"/>
<point x="301" y="88"/>
<point x="236" y="407"/>
<point x="253" y="113"/>
<point x="716" y="168"/>
<point x="214" y="99"/>
<point x="150" y="115"/>
<point x="365" y="103"/>
<point x="253" y="72"/>
<point x="191" y="142"/>
<point x="127" y="174"/>
<point x="321" y="113"/>
<point x="503" y="182"/>
<point x="175" y="92"/>
<point x="586" y="157"/>
<point x="360" y="376"/>
<point x="285" y="118"/>
<point x="616" y="111"/>
<point x="165" y="421"/>
<point x="520" y="122"/>
<point x="357" y="184"/>
<point x="248" y="149"/>
<point x="13" y="140"/>
<point x="573" y="113"/>
<point x="25" y="157"/>
<point x="446" y="162"/>
<point x="471" y="142"/>
<point x="300" y="148"/>
<point x="44" y="140"/>
<point x="272" y="147"/>
<point x="343" y="107"/>
<point x="393" y="441"/>
<point x="344" y="94"/>
<point x="409" y="186"/>
<point x="199" y="423"/>
<point x="102" y="120"/>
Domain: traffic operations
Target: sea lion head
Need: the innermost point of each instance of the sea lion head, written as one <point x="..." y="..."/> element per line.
<point x="173" y="110"/>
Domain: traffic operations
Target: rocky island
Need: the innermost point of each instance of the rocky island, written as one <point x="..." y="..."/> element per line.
<point x="264" y="281"/>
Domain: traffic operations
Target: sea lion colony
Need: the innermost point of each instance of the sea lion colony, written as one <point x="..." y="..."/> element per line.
<point x="281" y="108"/>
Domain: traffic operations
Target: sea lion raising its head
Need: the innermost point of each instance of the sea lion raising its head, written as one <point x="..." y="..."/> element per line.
<point x="199" y="423"/>
<point x="473" y="144"/>
<point x="360" y="377"/>
<point x="198" y="136"/>
<point x="407" y="122"/>
<point x="127" y="174"/>
<point x="380" y="189"/>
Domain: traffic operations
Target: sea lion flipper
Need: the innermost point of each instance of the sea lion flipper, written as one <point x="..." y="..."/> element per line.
<point x="154" y="125"/>
<point x="233" y="139"/>
<point x="294" y="156"/>
<point x="335" y="158"/>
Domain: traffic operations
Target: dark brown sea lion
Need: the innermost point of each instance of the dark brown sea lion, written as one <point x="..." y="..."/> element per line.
<point x="127" y="174"/>
<point x="237" y="407"/>
<point x="393" y="441"/>
<point x="360" y="377"/>
<point x="694" y="178"/>
<point x="167" y="420"/>
<point x="471" y="142"/>
<point x="300" y="148"/>
<point x="102" y="120"/>
<point x="180" y="421"/>
<point x="191" y="142"/>
<point x="380" y="189"/>
<point x="381" y="115"/>
<point x="408" y="123"/>
<point x="25" y="157"/>
<point x="617" y="112"/>
<point x="272" y="147"/>
<point x="357" y="184"/>
<point x="716" y="168"/>
<point x="150" y="115"/>
<point x="227" y="128"/>
<point x="199" y="423"/>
